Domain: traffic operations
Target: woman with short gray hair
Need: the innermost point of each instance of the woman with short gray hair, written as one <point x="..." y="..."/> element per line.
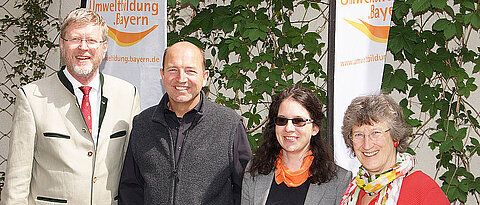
<point x="374" y="128"/>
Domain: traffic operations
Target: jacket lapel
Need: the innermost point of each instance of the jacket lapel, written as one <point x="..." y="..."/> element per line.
<point x="103" y="103"/>
<point x="315" y="194"/>
<point x="103" y="100"/>
<point x="74" y="113"/>
<point x="63" y="79"/>
<point x="262" y="188"/>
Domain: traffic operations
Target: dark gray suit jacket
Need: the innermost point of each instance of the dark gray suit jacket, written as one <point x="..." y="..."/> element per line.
<point x="255" y="191"/>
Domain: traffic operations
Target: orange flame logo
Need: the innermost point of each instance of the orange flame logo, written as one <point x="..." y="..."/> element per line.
<point x="125" y="39"/>
<point x="376" y="33"/>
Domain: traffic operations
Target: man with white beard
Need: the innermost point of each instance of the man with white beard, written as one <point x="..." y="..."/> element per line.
<point x="70" y="130"/>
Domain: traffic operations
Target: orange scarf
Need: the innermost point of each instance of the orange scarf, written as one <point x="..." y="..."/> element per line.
<point x="296" y="178"/>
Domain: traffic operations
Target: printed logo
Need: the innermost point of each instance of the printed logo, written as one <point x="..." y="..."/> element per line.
<point x="125" y="39"/>
<point x="376" y="33"/>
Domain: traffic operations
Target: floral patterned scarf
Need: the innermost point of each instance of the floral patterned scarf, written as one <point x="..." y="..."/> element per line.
<point x="386" y="184"/>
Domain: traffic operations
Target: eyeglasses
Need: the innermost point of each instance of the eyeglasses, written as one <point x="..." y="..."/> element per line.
<point x="297" y="121"/>
<point x="90" y="42"/>
<point x="375" y="135"/>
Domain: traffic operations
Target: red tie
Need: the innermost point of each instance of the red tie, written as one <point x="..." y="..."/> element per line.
<point x="86" y="110"/>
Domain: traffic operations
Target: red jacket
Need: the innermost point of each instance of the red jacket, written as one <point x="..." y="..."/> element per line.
<point x="417" y="188"/>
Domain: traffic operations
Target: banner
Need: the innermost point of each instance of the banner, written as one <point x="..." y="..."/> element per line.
<point x="361" y="37"/>
<point x="137" y="37"/>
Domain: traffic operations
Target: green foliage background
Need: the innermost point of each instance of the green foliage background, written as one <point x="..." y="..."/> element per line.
<point x="257" y="48"/>
<point x="436" y="71"/>
<point x="32" y="43"/>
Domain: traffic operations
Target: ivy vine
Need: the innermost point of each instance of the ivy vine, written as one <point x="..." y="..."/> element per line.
<point x="436" y="74"/>
<point x="257" y="48"/>
<point x="32" y="42"/>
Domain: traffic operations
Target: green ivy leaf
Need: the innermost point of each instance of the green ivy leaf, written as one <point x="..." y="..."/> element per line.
<point x="446" y="146"/>
<point x="239" y="3"/>
<point x="282" y="41"/>
<point x="461" y="133"/>
<point x="226" y="24"/>
<point x="295" y="41"/>
<point x="277" y="32"/>
<point x="411" y="151"/>
<point x="432" y="146"/>
<point x="450" y="31"/>
<point x="171" y="2"/>
<point x="420" y="5"/>
<point x="400" y="10"/>
<point x="462" y="171"/>
<point x="476" y="184"/>
<point x="458" y="145"/>
<point x="468" y="5"/>
<point x="424" y="67"/>
<point x="471" y="84"/>
<point x="253" y="118"/>
<point x="315" y="6"/>
<point x="455" y="193"/>
<point x="399" y="80"/>
<point x="248" y="116"/>
<point x="387" y="78"/>
<point x="438" y="136"/>
<point x="304" y="28"/>
<point x="476" y="20"/>
<point x="464" y="91"/>
<point x="262" y="73"/>
<point x="445" y="25"/>
<point x="441" y="24"/>
<point x="310" y="43"/>
<point x="439" y="4"/>
<point x="256" y="34"/>
<point x="414" y="122"/>
<point x="255" y="140"/>
<point x="474" y="141"/>
<point x="473" y="119"/>
<point x="201" y="20"/>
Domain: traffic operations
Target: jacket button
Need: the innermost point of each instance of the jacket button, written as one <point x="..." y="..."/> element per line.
<point x="90" y="154"/>
<point x="84" y="130"/>
<point x="94" y="179"/>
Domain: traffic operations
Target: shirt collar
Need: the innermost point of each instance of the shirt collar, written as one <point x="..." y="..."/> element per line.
<point x="95" y="83"/>
<point x="195" y="109"/>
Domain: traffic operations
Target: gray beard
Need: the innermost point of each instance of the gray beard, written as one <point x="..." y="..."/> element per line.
<point x="82" y="71"/>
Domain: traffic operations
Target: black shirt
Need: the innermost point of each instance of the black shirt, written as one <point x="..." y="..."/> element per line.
<point x="282" y="194"/>
<point x="241" y="148"/>
<point x="179" y="125"/>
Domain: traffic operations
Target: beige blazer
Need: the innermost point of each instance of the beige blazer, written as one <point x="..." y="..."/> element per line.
<point x="52" y="158"/>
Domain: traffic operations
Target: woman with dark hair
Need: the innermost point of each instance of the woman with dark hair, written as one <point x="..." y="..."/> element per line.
<point x="374" y="128"/>
<point x="294" y="165"/>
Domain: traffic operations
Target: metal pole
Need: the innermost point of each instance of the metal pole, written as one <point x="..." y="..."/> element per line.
<point x="330" y="70"/>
